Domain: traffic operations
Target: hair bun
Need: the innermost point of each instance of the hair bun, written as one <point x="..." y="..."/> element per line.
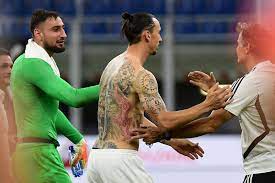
<point x="127" y="16"/>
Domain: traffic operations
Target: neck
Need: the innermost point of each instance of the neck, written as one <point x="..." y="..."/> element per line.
<point x="252" y="62"/>
<point x="138" y="51"/>
<point x="40" y="43"/>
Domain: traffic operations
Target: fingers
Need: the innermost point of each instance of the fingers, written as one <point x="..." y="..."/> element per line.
<point x="194" y="83"/>
<point x="214" y="88"/>
<point x="228" y="101"/>
<point x="189" y="155"/>
<point x="198" y="74"/>
<point x="223" y="92"/>
<point x="212" y="77"/>
<point x="200" y="149"/>
<point x="140" y="136"/>
<point x="224" y="96"/>
<point x="199" y="152"/>
<point x="76" y="159"/>
<point x="138" y="131"/>
<point x="194" y="154"/>
<point x="84" y="153"/>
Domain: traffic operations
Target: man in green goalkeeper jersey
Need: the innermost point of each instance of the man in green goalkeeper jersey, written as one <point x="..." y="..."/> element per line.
<point x="37" y="89"/>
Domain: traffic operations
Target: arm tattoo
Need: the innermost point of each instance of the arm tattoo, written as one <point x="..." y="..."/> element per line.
<point x="147" y="89"/>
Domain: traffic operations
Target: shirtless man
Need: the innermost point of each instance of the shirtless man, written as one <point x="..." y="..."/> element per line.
<point x="127" y="92"/>
<point x="7" y="122"/>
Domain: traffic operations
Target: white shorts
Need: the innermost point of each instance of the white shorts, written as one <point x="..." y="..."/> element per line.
<point x="116" y="166"/>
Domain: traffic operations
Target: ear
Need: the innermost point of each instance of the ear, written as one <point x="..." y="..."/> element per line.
<point x="147" y="35"/>
<point x="37" y="33"/>
<point x="247" y="48"/>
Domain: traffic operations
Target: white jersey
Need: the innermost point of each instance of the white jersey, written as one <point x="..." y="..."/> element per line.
<point x="253" y="102"/>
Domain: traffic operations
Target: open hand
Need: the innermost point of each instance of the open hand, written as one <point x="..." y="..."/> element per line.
<point x="202" y="80"/>
<point x="186" y="148"/>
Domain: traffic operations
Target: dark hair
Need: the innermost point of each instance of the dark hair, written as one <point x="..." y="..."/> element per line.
<point x="40" y="16"/>
<point x="133" y="25"/>
<point x="261" y="40"/>
<point x="3" y="51"/>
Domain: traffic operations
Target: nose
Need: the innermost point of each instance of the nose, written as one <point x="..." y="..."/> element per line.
<point x="63" y="34"/>
<point x="160" y="40"/>
<point x="9" y="70"/>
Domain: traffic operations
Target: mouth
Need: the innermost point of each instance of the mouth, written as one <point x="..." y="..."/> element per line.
<point x="62" y="42"/>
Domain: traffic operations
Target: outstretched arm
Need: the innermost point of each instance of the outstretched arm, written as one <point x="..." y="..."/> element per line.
<point x="152" y="103"/>
<point x="203" y="126"/>
<point x="40" y="74"/>
<point x="182" y="146"/>
<point x="193" y="129"/>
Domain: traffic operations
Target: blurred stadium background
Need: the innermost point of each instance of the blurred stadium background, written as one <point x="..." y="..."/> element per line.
<point x="197" y="35"/>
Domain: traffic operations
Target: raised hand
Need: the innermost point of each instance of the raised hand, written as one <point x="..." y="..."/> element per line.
<point x="202" y="80"/>
<point x="186" y="148"/>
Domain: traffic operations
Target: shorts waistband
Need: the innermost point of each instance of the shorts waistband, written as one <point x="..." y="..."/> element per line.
<point x="118" y="151"/>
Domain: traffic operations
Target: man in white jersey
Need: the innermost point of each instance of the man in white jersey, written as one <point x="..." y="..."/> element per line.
<point x="252" y="101"/>
<point x="128" y="91"/>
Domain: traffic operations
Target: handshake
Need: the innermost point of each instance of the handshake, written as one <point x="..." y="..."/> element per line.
<point x="78" y="157"/>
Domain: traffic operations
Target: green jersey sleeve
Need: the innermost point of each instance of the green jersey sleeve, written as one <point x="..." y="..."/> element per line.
<point x="64" y="127"/>
<point x="41" y="75"/>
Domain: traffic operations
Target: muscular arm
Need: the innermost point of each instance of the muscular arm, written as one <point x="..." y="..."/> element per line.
<point x="147" y="89"/>
<point x="64" y="127"/>
<point x="203" y="125"/>
<point x="40" y="74"/>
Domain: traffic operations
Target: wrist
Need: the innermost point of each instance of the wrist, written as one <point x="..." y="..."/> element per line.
<point x="166" y="136"/>
<point x="166" y="142"/>
<point x="205" y="107"/>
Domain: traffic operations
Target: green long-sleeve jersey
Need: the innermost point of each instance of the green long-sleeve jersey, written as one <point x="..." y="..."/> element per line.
<point x="37" y="91"/>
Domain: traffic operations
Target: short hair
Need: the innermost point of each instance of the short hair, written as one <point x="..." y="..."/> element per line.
<point x="260" y="39"/>
<point x="134" y="24"/>
<point x="3" y="51"/>
<point x="40" y="16"/>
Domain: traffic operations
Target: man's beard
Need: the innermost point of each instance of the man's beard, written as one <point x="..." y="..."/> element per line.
<point x="54" y="49"/>
<point x="153" y="53"/>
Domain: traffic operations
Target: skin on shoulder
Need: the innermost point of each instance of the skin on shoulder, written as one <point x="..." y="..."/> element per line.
<point x="147" y="88"/>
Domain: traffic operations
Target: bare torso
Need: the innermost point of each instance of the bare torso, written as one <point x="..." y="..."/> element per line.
<point x="119" y="108"/>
